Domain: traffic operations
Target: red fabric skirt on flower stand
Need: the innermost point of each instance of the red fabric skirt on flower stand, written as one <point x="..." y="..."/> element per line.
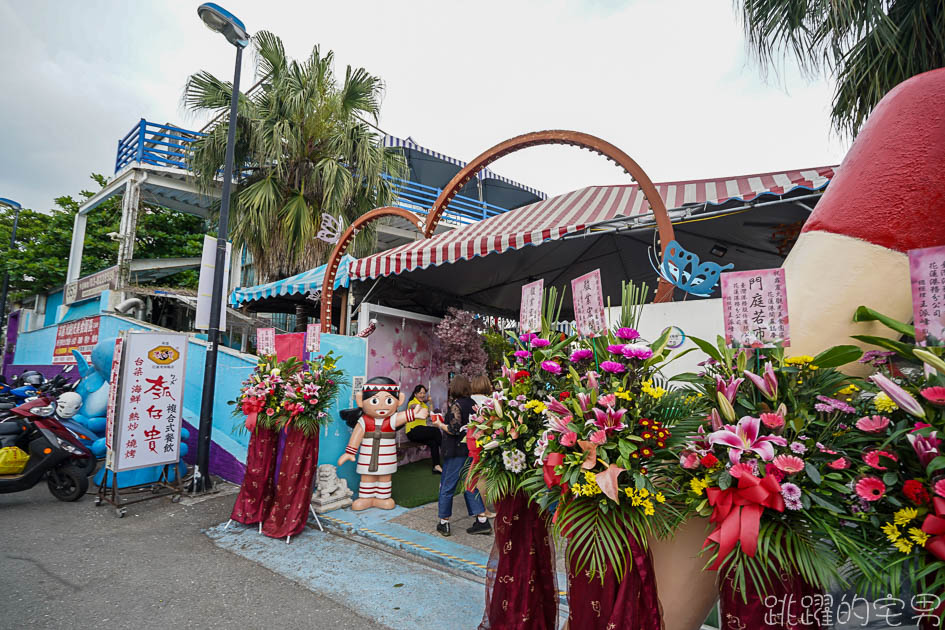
<point x="787" y="604"/>
<point x="628" y="604"/>
<point x="521" y="583"/>
<point x="256" y="491"/>
<point x="290" y="506"/>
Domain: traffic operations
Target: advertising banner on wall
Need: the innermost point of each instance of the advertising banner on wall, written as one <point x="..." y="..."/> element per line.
<point x="90" y="286"/>
<point x="81" y="335"/>
<point x="148" y="402"/>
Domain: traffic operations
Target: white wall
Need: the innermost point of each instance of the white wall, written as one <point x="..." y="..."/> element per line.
<point x="695" y="317"/>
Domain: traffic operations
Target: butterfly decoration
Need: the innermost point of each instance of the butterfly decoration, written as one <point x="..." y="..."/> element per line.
<point x="683" y="270"/>
<point x="329" y="229"/>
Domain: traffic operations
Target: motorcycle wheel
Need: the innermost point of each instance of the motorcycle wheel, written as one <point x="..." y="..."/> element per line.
<point x="68" y="483"/>
<point x="89" y="465"/>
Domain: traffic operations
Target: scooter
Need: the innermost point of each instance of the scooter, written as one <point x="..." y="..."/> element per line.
<point x="56" y="455"/>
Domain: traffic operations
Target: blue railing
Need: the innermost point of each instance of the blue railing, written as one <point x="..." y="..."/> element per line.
<point x="165" y="145"/>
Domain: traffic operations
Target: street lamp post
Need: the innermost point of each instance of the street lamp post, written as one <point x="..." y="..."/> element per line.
<point x="222" y="21"/>
<point x="6" y="276"/>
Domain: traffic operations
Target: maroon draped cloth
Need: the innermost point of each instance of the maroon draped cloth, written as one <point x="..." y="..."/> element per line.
<point x="256" y="491"/>
<point x="628" y="604"/>
<point x="521" y="582"/>
<point x="788" y="603"/>
<point x="290" y="507"/>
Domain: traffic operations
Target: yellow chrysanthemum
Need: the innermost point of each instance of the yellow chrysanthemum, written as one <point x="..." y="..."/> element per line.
<point x="891" y="531"/>
<point x="849" y="390"/>
<point x="884" y="403"/>
<point x="660" y="498"/>
<point x="918" y="536"/>
<point x="799" y="360"/>
<point x="697" y="486"/>
<point x="577" y="489"/>
<point x="590" y="477"/>
<point x="648" y="508"/>
<point x="903" y="545"/>
<point x="622" y="393"/>
<point x="536" y="405"/>
<point x="643" y="492"/>
<point x="905" y="515"/>
<point x="653" y="392"/>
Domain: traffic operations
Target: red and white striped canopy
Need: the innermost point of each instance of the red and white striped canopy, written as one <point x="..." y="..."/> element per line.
<point x="565" y="214"/>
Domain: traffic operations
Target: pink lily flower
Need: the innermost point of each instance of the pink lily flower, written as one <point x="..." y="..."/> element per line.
<point x="744" y="437"/>
<point x="898" y="395"/>
<point x="592" y="377"/>
<point x="607" y="401"/>
<point x="584" y="400"/>
<point x="555" y="407"/>
<point x="507" y="373"/>
<point x="925" y="447"/>
<point x="766" y="384"/>
<point x="558" y="424"/>
<point x="728" y="389"/>
<point x="609" y="421"/>
<point x="715" y="420"/>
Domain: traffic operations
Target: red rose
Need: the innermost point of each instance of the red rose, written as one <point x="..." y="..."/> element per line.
<point x="916" y="492"/>
<point x="710" y="460"/>
<point x="520" y="375"/>
<point x="564" y="395"/>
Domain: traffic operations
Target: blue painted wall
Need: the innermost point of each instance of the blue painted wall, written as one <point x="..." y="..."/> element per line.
<point x="53" y="302"/>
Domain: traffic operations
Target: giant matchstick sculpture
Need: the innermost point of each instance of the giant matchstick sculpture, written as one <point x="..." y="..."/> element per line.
<point x="373" y="442"/>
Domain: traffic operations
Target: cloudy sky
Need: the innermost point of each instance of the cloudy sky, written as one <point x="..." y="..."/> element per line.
<point x="668" y="81"/>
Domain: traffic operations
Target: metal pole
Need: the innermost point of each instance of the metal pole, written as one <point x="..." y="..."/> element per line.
<point x="202" y="480"/>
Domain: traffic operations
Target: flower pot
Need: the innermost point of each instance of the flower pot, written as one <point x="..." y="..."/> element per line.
<point x="521" y="585"/>
<point x="630" y="603"/>
<point x="788" y="603"/>
<point x="256" y="491"/>
<point x="687" y="593"/>
<point x="293" y="495"/>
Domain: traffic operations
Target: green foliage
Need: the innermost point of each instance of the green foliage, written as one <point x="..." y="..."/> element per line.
<point x="496" y="345"/>
<point x="870" y="46"/>
<point x="307" y="153"/>
<point x="43" y="241"/>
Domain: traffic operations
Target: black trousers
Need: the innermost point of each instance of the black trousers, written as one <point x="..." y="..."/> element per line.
<point x="432" y="437"/>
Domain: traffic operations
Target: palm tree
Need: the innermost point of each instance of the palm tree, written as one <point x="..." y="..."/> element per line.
<point x="869" y="45"/>
<point x="304" y="151"/>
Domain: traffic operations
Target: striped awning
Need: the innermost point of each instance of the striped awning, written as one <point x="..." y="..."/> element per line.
<point x="569" y="213"/>
<point x="486" y="173"/>
<point x="305" y="282"/>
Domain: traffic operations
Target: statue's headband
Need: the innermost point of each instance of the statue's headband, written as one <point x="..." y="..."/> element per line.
<point x="379" y="388"/>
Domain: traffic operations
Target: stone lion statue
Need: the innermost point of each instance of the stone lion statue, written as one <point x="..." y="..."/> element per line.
<point x="331" y="493"/>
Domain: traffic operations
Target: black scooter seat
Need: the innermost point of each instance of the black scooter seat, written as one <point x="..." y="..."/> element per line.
<point x="12" y="427"/>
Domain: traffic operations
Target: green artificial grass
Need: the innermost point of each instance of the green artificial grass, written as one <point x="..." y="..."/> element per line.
<point x="414" y="485"/>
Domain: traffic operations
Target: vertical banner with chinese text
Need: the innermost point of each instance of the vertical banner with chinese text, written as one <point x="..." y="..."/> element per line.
<point x="755" y="308"/>
<point x="313" y="338"/>
<point x="927" y="270"/>
<point x="111" y="411"/>
<point x="265" y="341"/>
<point x="529" y="319"/>
<point x="589" y="304"/>
<point x="149" y="405"/>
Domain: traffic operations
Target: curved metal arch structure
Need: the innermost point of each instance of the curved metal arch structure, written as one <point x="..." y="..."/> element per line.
<point x="664" y="292"/>
<point x="328" y="283"/>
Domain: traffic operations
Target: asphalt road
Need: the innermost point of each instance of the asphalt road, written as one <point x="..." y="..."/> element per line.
<point x="73" y="565"/>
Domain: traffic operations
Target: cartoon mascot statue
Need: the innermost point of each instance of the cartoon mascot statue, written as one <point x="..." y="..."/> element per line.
<point x="373" y="442"/>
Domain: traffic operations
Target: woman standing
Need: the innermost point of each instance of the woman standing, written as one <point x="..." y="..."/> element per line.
<point x="455" y="455"/>
<point x="419" y="432"/>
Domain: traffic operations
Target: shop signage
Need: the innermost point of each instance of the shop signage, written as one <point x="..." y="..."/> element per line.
<point x="589" y="304"/>
<point x="265" y="341"/>
<point x="755" y="308"/>
<point x="90" y="286"/>
<point x="146" y="415"/>
<point x="313" y="338"/>
<point x="81" y="335"/>
<point x="529" y="319"/>
<point x="927" y="269"/>
<point x="208" y="264"/>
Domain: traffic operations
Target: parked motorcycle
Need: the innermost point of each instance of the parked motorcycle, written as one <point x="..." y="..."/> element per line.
<point x="55" y="454"/>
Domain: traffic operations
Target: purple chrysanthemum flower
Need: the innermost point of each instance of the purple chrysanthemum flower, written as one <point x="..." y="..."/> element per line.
<point x="627" y="334"/>
<point x="540" y="343"/>
<point x="581" y="355"/>
<point x="613" y="367"/>
<point x="551" y="366"/>
<point x="834" y="404"/>
<point x="637" y="351"/>
<point x="797" y="447"/>
<point x="790" y="491"/>
<point x="522" y="354"/>
<point x="793" y="504"/>
<point x="616" y="348"/>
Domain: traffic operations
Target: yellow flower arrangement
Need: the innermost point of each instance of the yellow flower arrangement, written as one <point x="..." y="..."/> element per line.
<point x="803" y="359"/>
<point x="849" y="390"/>
<point x="698" y="486"/>
<point x="903" y="545"/>
<point x="884" y="403"/>
<point x="622" y="393"/>
<point x="536" y="405"/>
<point x="905" y="516"/>
<point x="653" y="392"/>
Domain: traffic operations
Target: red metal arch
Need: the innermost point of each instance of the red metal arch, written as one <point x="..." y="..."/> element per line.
<point x="664" y="292"/>
<point x="328" y="284"/>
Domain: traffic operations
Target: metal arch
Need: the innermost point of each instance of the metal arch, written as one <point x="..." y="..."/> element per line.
<point x="664" y="292"/>
<point x="328" y="283"/>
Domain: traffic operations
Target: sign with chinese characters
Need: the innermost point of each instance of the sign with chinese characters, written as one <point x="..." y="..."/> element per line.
<point x="927" y="269"/>
<point x="529" y="319"/>
<point x="115" y="375"/>
<point x="675" y="337"/>
<point x="90" y="286"/>
<point x="589" y="304"/>
<point x="148" y="407"/>
<point x="265" y="341"/>
<point x="755" y="308"/>
<point x="313" y="337"/>
<point x="208" y="265"/>
<point x="81" y="335"/>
